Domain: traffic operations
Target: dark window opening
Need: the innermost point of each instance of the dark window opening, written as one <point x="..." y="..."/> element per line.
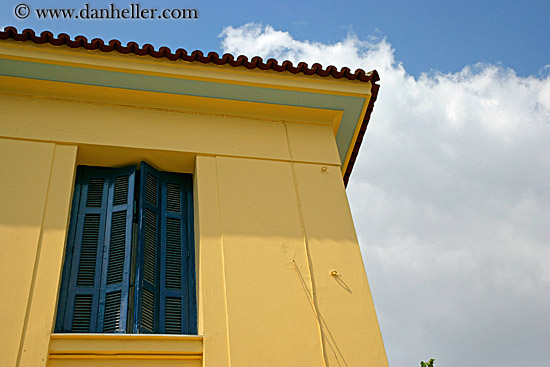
<point x="129" y="264"/>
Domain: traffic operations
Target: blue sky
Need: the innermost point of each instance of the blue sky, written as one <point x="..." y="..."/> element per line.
<point x="450" y="193"/>
<point x="427" y="35"/>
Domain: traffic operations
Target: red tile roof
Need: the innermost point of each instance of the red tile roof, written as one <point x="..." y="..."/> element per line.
<point x="212" y="57"/>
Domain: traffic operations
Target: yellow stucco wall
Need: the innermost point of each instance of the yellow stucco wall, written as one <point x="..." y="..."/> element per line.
<point x="272" y="223"/>
<point x="22" y="201"/>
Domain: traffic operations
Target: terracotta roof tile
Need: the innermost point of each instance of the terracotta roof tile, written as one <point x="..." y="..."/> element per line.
<point x="211" y="57"/>
<point x="198" y="56"/>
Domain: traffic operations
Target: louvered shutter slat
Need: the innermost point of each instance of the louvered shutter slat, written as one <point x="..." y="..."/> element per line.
<point x="82" y="313"/>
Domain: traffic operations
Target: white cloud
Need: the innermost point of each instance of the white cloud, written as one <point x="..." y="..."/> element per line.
<point x="451" y="198"/>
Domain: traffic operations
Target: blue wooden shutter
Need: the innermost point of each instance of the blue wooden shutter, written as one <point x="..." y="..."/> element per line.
<point x="95" y="286"/>
<point x="148" y="247"/>
<point x="174" y="306"/>
<point x="115" y="276"/>
<point x="65" y="277"/>
<point x="177" y="265"/>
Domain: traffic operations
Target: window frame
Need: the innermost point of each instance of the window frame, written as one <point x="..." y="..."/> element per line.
<point x="189" y="296"/>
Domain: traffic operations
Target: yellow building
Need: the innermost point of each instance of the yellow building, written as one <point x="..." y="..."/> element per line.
<point x="165" y="209"/>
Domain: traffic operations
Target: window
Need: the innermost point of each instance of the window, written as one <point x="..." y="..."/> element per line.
<point x="129" y="263"/>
